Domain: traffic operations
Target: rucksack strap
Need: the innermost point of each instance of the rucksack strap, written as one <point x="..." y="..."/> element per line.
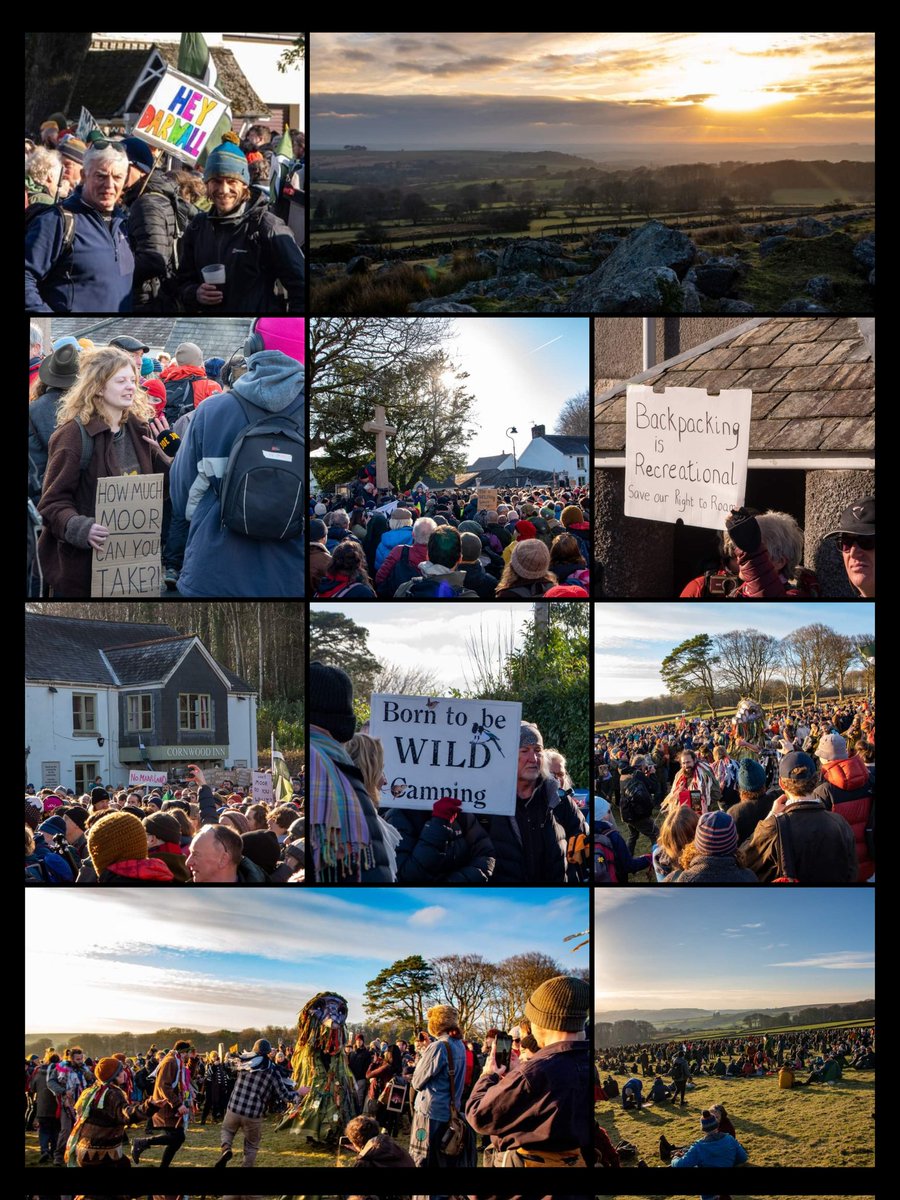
<point x="87" y="448"/>
<point x="784" y="848"/>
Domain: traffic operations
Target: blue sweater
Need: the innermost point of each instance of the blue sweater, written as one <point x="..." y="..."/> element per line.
<point x="713" y="1150"/>
<point x="94" y="276"/>
<point x="218" y="562"/>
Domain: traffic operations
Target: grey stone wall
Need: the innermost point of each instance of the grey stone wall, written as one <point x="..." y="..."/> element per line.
<point x="636" y="555"/>
<point x="827" y="494"/>
<point x="618" y="342"/>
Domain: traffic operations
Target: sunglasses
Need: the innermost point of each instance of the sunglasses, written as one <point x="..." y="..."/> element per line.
<point x="105" y="143"/>
<point x="864" y="541"/>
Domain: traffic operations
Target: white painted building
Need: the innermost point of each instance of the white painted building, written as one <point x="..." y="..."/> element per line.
<point x="568" y="457"/>
<point x="106" y="697"/>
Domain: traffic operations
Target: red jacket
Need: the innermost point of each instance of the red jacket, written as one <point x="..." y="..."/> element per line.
<point x="846" y="783"/>
<point x="417" y="553"/>
<point x="201" y="387"/>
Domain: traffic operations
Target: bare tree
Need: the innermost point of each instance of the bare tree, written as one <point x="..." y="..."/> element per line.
<point x="842" y="653"/>
<point x="398" y="680"/>
<point x="747" y="659"/>
<point x="516" y="978"/>
<point x="812" y="643"/>
<point x="466" y="981"/>
<point x="574" y="418"/>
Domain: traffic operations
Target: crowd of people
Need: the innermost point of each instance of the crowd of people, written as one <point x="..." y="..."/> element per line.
<point x="356" y="840"/>
<point x="109" y="229"/>
<point x="741" y="799"/>
<point x="187" y="833"/>
<point x="226" y="435"/>
<point x="525" y="1094"/>
<point x="426" y="544"/>
<point x="822" y="1054"/>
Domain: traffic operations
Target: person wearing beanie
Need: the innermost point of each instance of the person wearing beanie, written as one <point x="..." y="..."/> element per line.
<point x="319" y="558"/>
<point x="477" y="578"/>
<point x="261" y="847"/>
<point x="527" y="574"/>
<point x="440" y="577"/>
<point x="164" y="843"/>
<point x="117" y="845"/>
<point x="76" y="819"/>
<point x="847" y="788"/>
<point x="398" y="533"/>
<point x="713" y="1149"/>
<point x="259" y="1084"/>
<point x="241" y="234"/>
<point x="156" y="390"/>
<point x="347" y="840"/>
<point x="103" y="1113"/>
<point x="536" y="1111"/>
<point x="713" y="855"/>
<point x="72" y="150"/>
<point x="755" y="799"/>
<point x="51" y="859"/>
<point x="437" y="1099"/>
<point x="171" y="1100"/>
<point x="801" y="839"/>
<point x="213" y="368"/>
<point x="186" y="383"/>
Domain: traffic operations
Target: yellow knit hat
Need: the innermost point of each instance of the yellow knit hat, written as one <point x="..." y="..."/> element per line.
<point x="441" y="1019"/>
<point x="116" y="836"/>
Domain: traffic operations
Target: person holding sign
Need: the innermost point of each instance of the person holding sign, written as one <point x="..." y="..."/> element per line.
<point x="103" y="429"/>
<point x="233" y="257"/>
<point x="768" y="549"/>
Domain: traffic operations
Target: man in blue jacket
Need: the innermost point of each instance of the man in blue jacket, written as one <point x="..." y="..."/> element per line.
<point x="77" y="258"/>
<point x="218" y="561"/>
<point x="713" y="1149"/>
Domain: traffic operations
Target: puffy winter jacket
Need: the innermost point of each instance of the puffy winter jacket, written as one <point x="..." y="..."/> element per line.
<point x="156" y="219"/>
<point x="713" y="1150"/>
<point x="390" y="539"/>
<point x="433" y="850"/>
<point x="531" y="846"/>
<point x="847" y="785"/>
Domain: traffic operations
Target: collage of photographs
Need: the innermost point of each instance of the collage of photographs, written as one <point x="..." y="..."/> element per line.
<point x="576" y="329"/>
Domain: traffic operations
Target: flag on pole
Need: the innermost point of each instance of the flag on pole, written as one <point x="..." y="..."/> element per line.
<point x="281" y="776"/>
<point x="283" y="156"/>
<point x="195" y="59"/>
<point x="233" y="1049"/>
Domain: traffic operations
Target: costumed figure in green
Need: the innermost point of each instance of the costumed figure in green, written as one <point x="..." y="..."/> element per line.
<point x="320" y="1064"/>
<point x="748" y="731"/>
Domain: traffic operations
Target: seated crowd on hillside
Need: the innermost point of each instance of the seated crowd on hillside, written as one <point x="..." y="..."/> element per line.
<point x="439" y="544"/>
<point x="792" y="800"/>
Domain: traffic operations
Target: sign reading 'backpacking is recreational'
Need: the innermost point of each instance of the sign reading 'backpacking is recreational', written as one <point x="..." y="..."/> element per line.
<point x="467" y="749"/>
<point x="180" y="116"/>
<point x="686" y="454"/>
<point x="131" y="507"/>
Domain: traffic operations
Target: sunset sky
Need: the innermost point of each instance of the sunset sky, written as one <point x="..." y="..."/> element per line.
<point x="545" y="90"/>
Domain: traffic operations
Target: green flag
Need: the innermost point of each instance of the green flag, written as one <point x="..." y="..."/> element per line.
<point x="281" y="776"/>
<point x="195" y="59"/>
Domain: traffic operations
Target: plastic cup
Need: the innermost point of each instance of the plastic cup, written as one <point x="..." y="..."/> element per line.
<point x="214" y="273"/>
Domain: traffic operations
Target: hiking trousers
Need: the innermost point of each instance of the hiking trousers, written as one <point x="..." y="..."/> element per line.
<point x="251" y="1127"/>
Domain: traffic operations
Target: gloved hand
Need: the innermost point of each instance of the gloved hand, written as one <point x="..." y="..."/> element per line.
<point x="744" y="530"/>
<point x="447" y="808"/>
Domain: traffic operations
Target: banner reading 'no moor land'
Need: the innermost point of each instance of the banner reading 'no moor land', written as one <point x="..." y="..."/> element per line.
<point x="468" y="749"/>
<point x="686" y="454"/>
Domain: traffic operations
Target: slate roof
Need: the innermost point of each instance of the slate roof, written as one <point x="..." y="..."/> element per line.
<point x="217" y="337"/>
<point x="485" y="463"/>
<point x="813" y="383"/>
<point x="111" y="69"/>
<point x="67" y="650"/>
<point x="565" y="445"/>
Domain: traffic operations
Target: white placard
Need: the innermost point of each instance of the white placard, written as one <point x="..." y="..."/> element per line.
<point x="686" y="454"/>
<point x="143" y="778"/>
<point x="436" y="747"/>
<point x="262" y="787"/>
<point x="180" y="116"/>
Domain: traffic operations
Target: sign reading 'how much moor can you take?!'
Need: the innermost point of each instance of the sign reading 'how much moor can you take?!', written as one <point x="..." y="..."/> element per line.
<point x="433" y="748"/>
<point x="131" y="507"/>
<point x="686" y="454"/>
<point x="180" y="116"/>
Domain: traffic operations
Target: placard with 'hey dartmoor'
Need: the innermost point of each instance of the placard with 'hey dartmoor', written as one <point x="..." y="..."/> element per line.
<point x="686" y="454"/>
<point x="437" y="747"/>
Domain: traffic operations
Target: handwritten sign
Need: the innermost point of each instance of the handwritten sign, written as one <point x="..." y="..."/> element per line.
<point x="487" y="498"/>
<point x="130" y="506"/>
<point x="686" y="454"/>
<point x="262" y="787"/>
<point x="180" y="116"/>
<point x="147" y="778"/>
<point x="437" y="747"/>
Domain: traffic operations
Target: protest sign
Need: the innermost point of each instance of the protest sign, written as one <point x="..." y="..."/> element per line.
<point x="130" y="506"/>
<point x="686" y="454"/>
<point x="180" y="116"/>
<point x="467" y="749"/>
<point x="86" y="123"/>
<point x="388" y="508"/>
<point x="147" y="778"/>
<point x="262" y="787"/>
<point x="237" y="776"/>
<point x="487" y="498"/>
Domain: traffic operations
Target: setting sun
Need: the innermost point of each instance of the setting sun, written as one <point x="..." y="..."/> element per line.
<point x="739" y="101"/>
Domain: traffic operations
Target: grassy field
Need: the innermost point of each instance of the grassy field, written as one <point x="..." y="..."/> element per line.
<point x="694" y="1034"/>
<point x="602" y="726"/>
<point x="202" y="1149"/>
<point x="817" y="1126"/>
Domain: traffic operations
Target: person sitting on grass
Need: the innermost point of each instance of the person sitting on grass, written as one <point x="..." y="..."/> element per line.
<point x="374" y="1148"/>
<point x="714" y="1149"/>
<point x="660" y="1091"/>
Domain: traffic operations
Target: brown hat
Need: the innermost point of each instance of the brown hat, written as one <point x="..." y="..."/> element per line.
<point x="561" y="1003"/>
<point x="108" y="1068"/>
<point x="33" y="813"/>
<point x="117" y="836"/>
<point x="530" y="559"/>
<point x="441" y="1019"/>
<point x="164" y="826"/>
<point x="189" y="354"/>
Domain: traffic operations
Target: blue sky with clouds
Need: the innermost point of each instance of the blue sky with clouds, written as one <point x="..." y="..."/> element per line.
<point x="631" y="640"/>
<point x="674" y="947"/>
<point x="212" y="958"/>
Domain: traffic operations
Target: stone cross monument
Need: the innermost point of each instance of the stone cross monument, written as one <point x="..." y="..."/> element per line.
<point x="382" y="432"/>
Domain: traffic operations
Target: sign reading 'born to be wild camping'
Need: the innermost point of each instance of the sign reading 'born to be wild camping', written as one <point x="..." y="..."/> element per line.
<point x="180" y="116"/>
<point x="467" y="749"/>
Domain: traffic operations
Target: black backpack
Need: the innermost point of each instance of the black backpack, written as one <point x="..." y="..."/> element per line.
<point x="261" y="492"/>
<point x="636" y="803"/>
<point x="401" y="572"/>
<point x="179" y="398"/>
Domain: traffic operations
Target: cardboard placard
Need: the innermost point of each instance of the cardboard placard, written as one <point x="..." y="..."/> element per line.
<point x="147" y="778"/>
<point x="130" y="506"/>
<point x="180" y="116"/>
<point x="686" y="454"/>
<point x="437" y="747"/>
<point x="487" y="498"/>
<point x="262" y="787"/>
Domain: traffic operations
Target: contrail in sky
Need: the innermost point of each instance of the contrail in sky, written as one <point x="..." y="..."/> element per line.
<point x="550" y="343"/>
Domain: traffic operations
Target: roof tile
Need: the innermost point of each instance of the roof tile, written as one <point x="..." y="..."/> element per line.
<point x="805" y="379"/>
<point x="843" y="327"/>
<point x="761" y="379"/>
<point x="610" y="437"/>
<point x="853" y="375"/>
<point x="802" y="435"/>
<point x="765" y="435"/>
<point x="760" y="335"/>
<point x="849" y="402"/>
<point x="851" y="433"/>
<point x="721" y="356"/>
<point x="844" y="351"/>
<point x="803" y="354"/>
<point x="806" y="330"/>
<point x="757" y="356"/>
<point x="763" y="403"/>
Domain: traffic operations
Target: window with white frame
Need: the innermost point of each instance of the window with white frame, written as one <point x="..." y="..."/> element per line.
<point x="194" y="711"/>
<point x="84" y="712"/>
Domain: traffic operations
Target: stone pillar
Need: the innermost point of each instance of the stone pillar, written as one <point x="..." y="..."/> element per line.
<point x="827" y="495"/>
<point x="636" y="555"/>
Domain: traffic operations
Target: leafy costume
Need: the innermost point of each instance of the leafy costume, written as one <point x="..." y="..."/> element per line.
<point x="319" y="1063"/>
<point x="748" y="733"/>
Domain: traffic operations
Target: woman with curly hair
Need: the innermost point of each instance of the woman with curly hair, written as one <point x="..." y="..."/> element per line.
<point x="103" y="428"/>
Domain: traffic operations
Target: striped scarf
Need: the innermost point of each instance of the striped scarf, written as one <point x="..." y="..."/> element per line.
<point x="96" y="1093"/>
<point x="340" y="831"/>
